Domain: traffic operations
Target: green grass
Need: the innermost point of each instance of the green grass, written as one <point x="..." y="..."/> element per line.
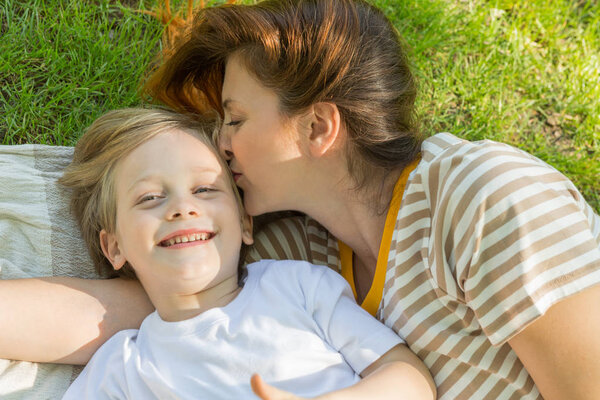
<point x="63" y="63"/>
<point x="521" y="72"/>
<point x="525" y="72"/>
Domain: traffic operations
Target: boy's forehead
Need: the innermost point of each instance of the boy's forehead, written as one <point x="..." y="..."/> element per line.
<point x="175" y="145"/>
<point x="167" y="152"/>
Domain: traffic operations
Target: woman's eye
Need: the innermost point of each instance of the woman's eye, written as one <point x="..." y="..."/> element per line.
<point x="233" y="123"/>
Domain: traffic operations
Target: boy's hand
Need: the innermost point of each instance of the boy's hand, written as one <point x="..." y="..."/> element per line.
<point x="267" y="392"/>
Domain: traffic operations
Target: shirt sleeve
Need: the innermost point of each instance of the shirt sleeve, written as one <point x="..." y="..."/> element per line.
<point x="512" y="232"/>
<point x="103" y="378"/>
<point x="360" y="338"/>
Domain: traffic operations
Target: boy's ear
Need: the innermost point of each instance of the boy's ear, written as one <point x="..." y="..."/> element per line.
<point x="324" y="123"/>
<point x="247" y="226"/>
<point x="111" y="250"/>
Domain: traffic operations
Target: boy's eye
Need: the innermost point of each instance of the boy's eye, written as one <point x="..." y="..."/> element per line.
<point x="148" y="197"/>
<point x="203" y="190"/>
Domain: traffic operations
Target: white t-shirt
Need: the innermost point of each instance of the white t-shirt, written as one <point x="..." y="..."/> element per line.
<point x="294" y="323"/>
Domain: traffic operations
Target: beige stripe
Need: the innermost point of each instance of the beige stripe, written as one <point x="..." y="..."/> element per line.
<point x="450" y="381"/>
<point x="474" y="384"/>
<point x="435" y="344"/>
<point x="435" y="168"/>
<point x="445" y="141"/>
<point x="517" y="234"/>
<point x="400" y="291"/>
<point x="496" y="390"/>
<point x="294" y="237"/>
<point x="528" y="386"/>
<point x="501" y="354"/>
<point x="481" y="351"/>
<point x="500" y="220"/>
<point x="526" y="303"/>
<point x="467" y="168"/>
<point x="399" y="324"/>
<point x="513" y="376"/>
<point x="258" y="249"/>
<point x="414" y="181"/>
<point x="516" y="369"/>
<point x="465" y="200"/>
<point x="511" y="287"/>
<point x="432" y="320"/>
<point x="251" y="256"/>
<point x="317" y="240"/>
<point x="274" y="240"/>
<point x="411" y="198"/>
<point x="408" y="221"/>
<point x="323" y="249"/>
<point x="403" y="245"/>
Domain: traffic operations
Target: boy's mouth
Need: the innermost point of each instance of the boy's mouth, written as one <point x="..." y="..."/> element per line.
<point x="186" y="238"/>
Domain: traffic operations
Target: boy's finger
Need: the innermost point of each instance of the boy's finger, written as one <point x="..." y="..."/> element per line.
<point x="266" y="391"/>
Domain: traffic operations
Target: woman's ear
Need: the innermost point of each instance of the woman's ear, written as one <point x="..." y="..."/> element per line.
<point x="247" y="226"/>
<point x="111" y="250"/>
<point x="324" y="124"/>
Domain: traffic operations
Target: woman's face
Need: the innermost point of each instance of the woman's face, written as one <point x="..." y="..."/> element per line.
<point x="263" y="146"/>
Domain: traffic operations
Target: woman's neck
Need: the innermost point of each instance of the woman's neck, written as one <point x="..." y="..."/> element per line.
<point x="354" y="218"/>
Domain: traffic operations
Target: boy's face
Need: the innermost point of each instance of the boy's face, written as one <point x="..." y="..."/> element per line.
<point x="178" y="223"/>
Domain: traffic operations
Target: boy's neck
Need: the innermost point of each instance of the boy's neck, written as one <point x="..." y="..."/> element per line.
<point x="175" y="307"/>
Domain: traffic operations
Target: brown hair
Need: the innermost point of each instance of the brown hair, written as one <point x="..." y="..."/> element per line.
<point x="91" y="173"/>
<point x="341" y="51"/>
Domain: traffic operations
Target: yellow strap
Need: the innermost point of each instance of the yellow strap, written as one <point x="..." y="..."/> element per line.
<point x="373" y="298"/>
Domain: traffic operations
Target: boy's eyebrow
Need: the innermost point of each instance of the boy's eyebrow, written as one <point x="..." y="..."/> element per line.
<point x="151" y="177"/>
<point x="141" y="180"/>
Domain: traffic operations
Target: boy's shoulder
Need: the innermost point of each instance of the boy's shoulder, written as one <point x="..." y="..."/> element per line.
<point x="294" y="275"/>
<point x="283" y="268"/>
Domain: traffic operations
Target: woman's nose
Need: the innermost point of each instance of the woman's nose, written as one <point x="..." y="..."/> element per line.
<point x="225" y="146"/>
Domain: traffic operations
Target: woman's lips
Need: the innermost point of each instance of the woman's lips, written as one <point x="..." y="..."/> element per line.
<point x="236" y="176"/>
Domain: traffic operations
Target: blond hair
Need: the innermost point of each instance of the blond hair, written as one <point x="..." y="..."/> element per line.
<point x="91" y="174"/>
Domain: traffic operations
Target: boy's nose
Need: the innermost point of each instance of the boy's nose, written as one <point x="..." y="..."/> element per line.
<point x="178" y="214"/>
<point x="183" y="209"/>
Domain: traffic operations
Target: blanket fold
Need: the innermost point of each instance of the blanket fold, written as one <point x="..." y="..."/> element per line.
<point x="38" y="237"/>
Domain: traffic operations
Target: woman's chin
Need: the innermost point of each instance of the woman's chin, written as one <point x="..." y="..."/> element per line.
<point x="253" y="208"/>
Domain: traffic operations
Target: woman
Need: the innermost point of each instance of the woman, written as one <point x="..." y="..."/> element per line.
<point x="482" y="258"/>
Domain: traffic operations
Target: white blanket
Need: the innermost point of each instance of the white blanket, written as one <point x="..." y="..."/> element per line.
<point x="38" y="237"/>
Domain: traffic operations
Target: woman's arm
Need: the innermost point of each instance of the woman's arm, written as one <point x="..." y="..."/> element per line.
<point x="398" y="374"/>
<point x="64" y="320"/>
<point x="561" y="349"/>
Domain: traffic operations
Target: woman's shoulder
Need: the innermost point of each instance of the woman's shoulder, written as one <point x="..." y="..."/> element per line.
<point x="454" y="166"/>
<point x="294" y="237"/>
<point x="445" y="148"/>
<point x="459" y="180"/>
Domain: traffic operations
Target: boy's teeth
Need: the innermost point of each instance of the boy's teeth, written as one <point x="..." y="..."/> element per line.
<point x="190" y="238"/>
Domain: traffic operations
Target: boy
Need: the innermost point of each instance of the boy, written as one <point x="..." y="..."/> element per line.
<point x="156" y="202"/>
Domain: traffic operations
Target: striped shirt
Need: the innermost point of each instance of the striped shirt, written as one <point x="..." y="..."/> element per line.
<point x="486" y="240"/>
